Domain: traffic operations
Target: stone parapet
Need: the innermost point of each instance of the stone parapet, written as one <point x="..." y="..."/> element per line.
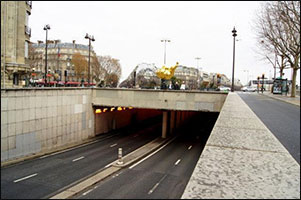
<point x="242" y="159"/>
<point x="160" y="99"/>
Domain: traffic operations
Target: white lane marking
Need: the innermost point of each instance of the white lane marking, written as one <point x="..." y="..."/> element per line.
<point x="113" y="145"/>
<point x="155" y="186"/>
<point x="178" y="162"/>
<point x="131" y="167"/>
<point x="189" y="147"/>
<point x="87" y="192"/>
<point x="78" y="159"/>
<point x="21" y="179"/>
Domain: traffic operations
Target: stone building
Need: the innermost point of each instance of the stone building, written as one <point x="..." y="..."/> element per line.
<point x="15" y="38"/>
<point x="189" y="75"/>
<point x="59" y="56"/>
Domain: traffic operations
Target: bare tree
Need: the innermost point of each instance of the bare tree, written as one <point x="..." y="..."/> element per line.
<point x="111" y="66"/>
<point x="99" y="73"/>
<point x="278" y="26"/>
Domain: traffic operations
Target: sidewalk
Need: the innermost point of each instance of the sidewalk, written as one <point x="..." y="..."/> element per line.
<point x="286" y="98"/>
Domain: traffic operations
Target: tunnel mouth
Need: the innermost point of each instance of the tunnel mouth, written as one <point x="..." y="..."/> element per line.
<point x="128" y="119"/>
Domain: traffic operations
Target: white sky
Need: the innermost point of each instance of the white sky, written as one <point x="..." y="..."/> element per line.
<point x="131" y="32"/>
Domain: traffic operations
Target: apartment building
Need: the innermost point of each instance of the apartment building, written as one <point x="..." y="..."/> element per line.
<point x="15" y="38"/>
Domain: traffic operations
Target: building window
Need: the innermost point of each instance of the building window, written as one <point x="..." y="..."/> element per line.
<point x="26" y="18"/>
<point x="26" y="49"/>
<point x="16" y="79"/>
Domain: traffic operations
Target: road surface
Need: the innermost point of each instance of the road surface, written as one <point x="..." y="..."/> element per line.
<point x="281" y="118"/>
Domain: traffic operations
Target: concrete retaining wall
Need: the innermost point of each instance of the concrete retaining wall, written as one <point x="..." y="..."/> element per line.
<point x="40" y="120"/>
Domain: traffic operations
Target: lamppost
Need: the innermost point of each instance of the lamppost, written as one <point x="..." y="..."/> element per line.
<point x="234" y="35"/>
<point x="46" y="28"/>
<point x="258" y="78"/>
<point x="165" y="49"/>
<point x="90" y="38"/>
<point x="262" y="85"/>
<point x="163" y="81"/>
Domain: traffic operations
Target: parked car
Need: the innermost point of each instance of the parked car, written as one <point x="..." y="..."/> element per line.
<point x="248" y="89"/>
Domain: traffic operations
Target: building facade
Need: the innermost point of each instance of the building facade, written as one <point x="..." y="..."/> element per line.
<point x="15" y="38"/>
<point x="189" y="75"/>
<point x="59" y="59"/>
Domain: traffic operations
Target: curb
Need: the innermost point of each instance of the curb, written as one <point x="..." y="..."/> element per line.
<point x="68" y="193"/>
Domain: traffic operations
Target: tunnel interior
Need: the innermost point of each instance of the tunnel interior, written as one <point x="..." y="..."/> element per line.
<point x="171" y="122"/>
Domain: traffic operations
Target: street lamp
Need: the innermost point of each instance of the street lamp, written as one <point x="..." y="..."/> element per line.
<point x="197" y="63"/>
<point x="90" y="38"/>
<point x="234" y="35"/>
<point x="165" y="49"/>
<point x="46" y="28"/>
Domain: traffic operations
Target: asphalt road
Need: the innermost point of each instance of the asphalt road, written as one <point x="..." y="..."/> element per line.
<point x="281" y="118"/>
<point x="43" y="177"/>
<point x="163" y="174"/>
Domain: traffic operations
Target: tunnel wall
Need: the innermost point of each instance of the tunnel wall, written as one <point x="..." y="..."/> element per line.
<point x="41" y="120"/>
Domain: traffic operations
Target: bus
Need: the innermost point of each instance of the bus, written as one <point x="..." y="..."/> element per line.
<point x="41" y="83"/>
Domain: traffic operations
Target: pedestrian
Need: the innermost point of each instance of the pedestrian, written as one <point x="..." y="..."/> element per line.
<point x="177" y="87"/>
<point x="183" y="86"/>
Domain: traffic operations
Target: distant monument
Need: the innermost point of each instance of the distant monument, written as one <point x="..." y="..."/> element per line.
<point x="165" y="73"/>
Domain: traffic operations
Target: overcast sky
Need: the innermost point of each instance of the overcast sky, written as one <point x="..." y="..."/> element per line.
<point x="131" y="32"/>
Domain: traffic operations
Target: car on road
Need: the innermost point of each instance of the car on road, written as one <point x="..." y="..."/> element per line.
<point x="249" y="89"/>
<point x="223" y="88"/>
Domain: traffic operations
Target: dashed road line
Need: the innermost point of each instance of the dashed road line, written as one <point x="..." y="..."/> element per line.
<point x="113" y="145"/>
<point x="189" y="147"/>
<point x="178" y="161"/>
<point x="21" y="179"/>
<point x="78" y="159"/>
<point x="87" y="192"/>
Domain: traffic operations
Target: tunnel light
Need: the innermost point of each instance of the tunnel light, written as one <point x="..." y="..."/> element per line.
<point x="119" y="108"/>
<point x="112" y="109"/>
<point x="104" y="110"/>
<point x="97" y="111"/>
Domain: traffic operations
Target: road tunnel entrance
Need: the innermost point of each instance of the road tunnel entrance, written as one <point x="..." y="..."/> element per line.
<point x="110" y="119"/>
